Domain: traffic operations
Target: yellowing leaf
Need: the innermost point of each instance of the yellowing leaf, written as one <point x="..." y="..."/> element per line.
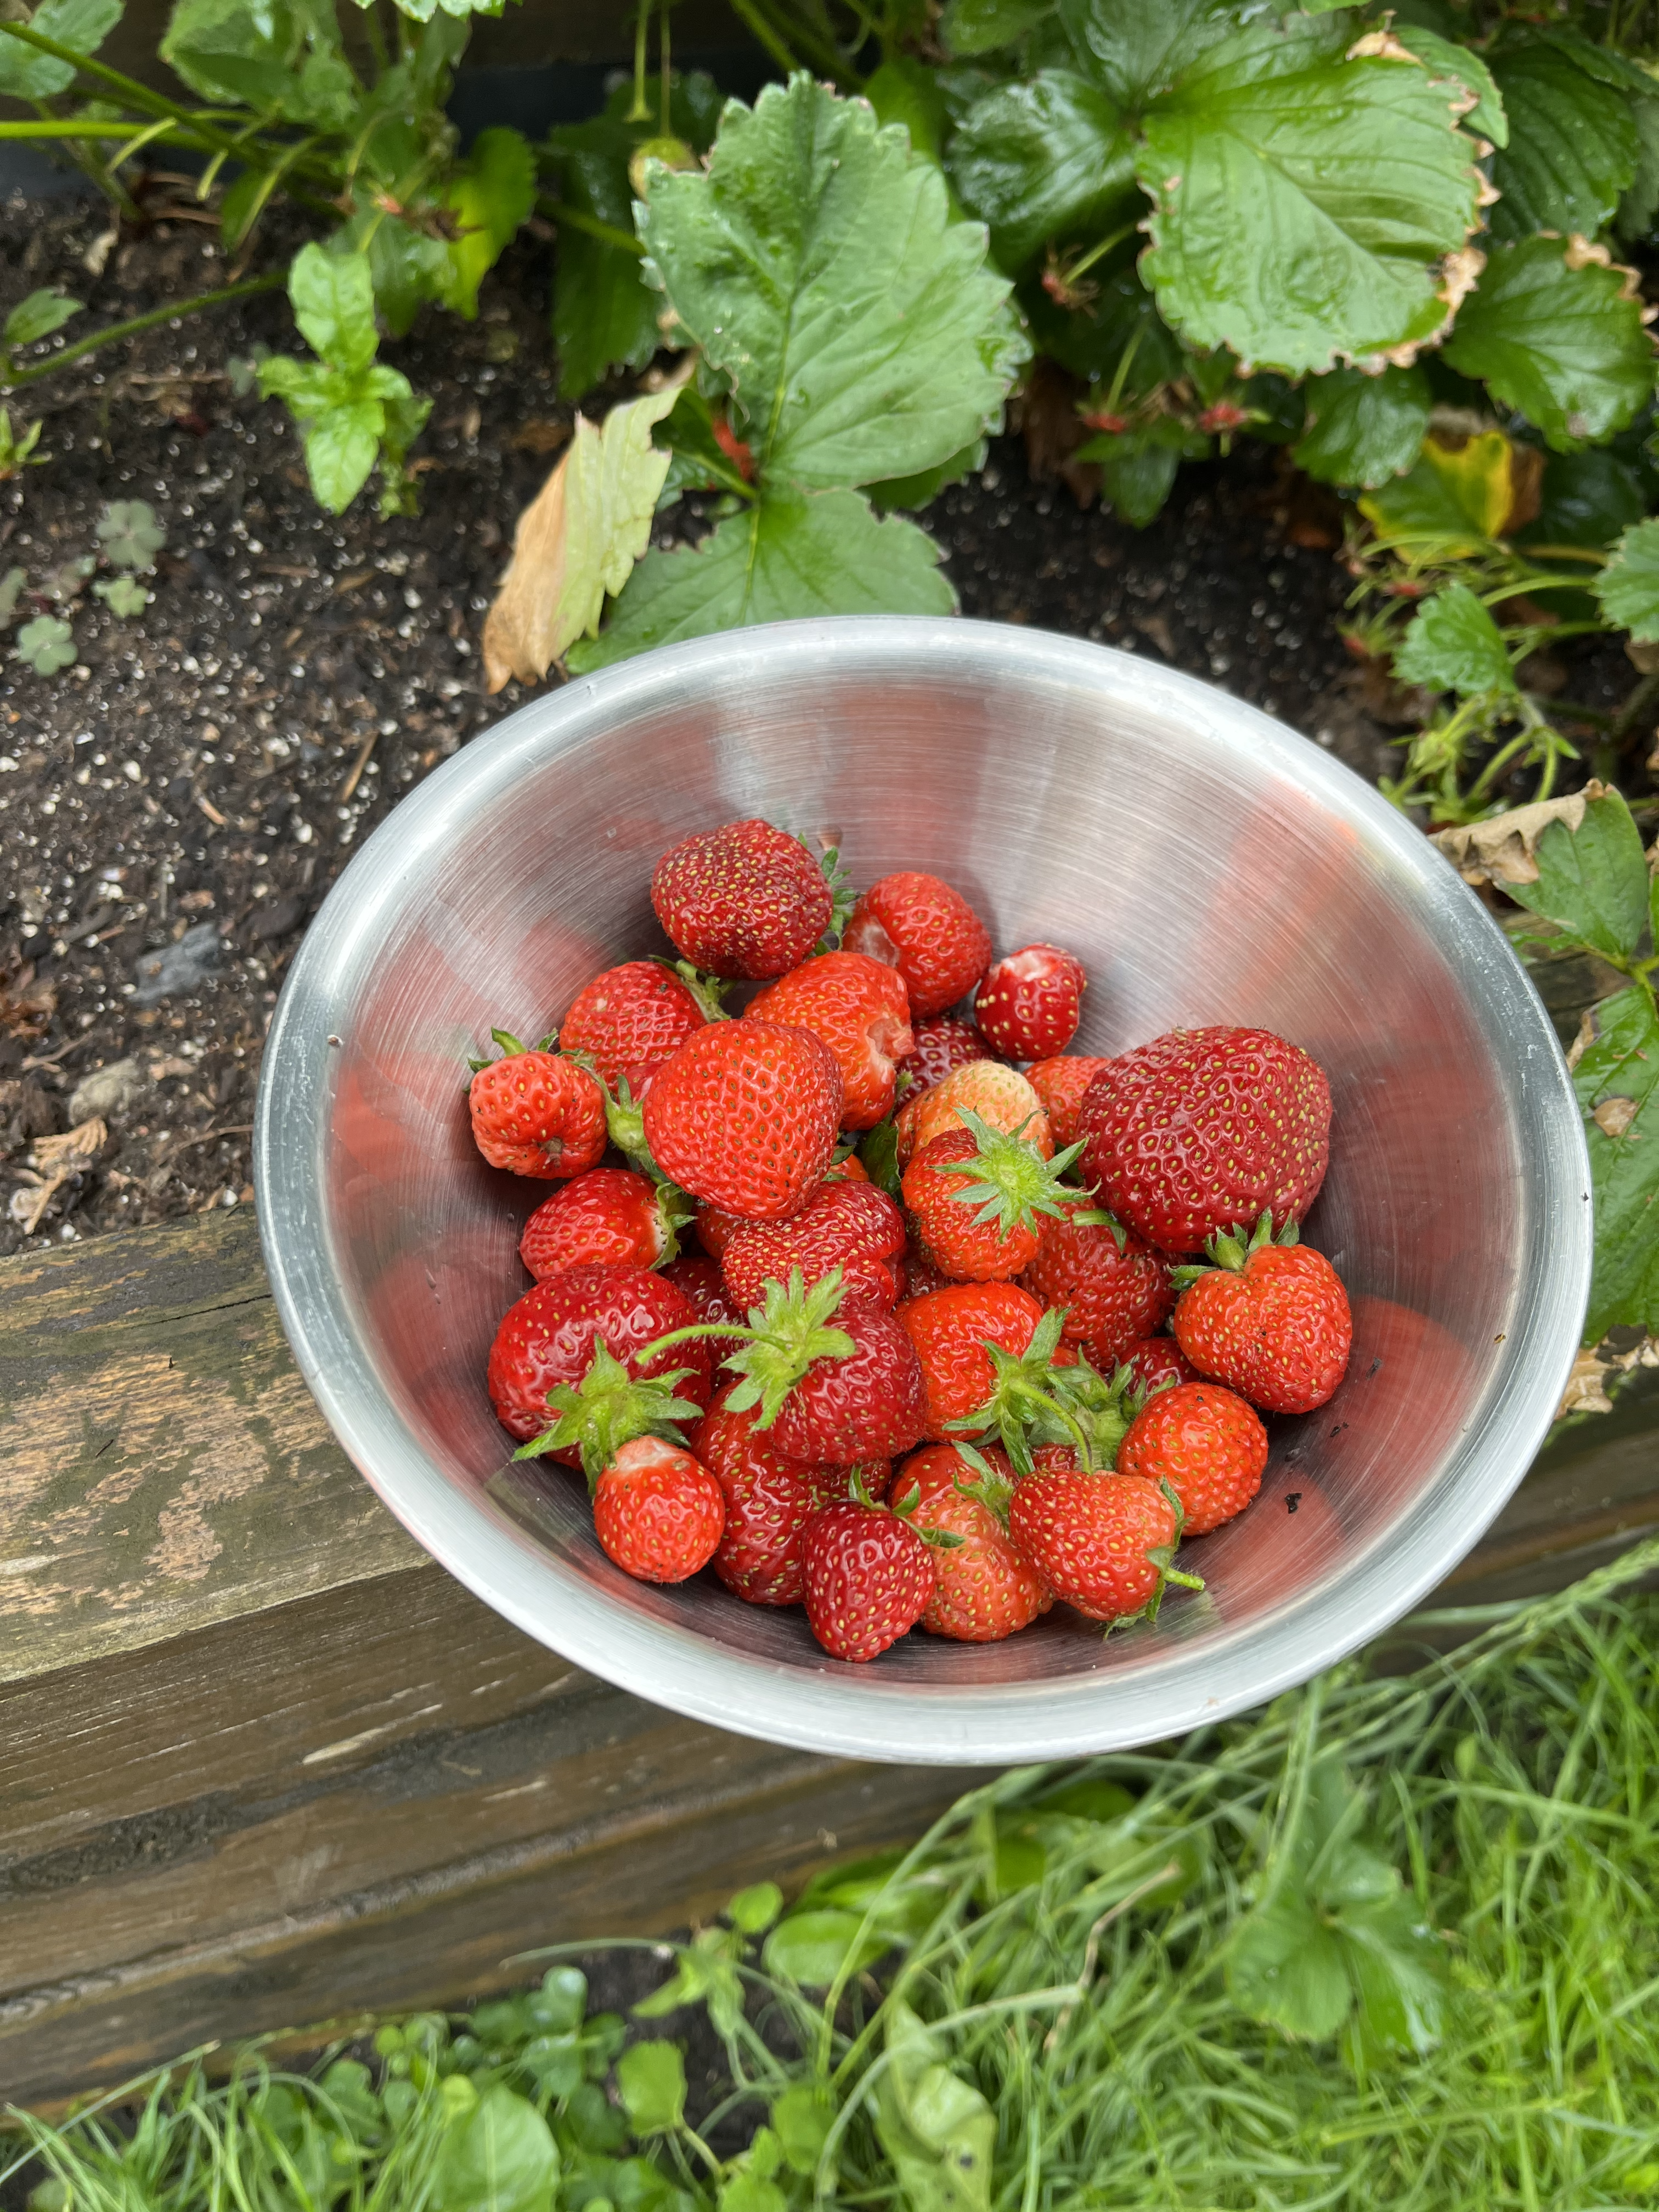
<point x="1503" y="850"/>
<point x="577" y="540"/>
<point x="1458" y="498"/>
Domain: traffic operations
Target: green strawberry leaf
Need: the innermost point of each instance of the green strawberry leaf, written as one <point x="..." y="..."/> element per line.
<point x="1640" y="204"/>
<point x="1617" y="1081"/>
<point x="39" y="315"/>
<point x="1572" y="143"/>
<point x="1454" y="645"/>
<point x="878" y="1150"/>
<point x="1047" y="159"/>
<point x="651" y="2077"/>
<point x="333" y="301"/>
<point x="130" y="534"/>
<point x="27" y="73"/>
<point x="1587" y="499"/>
<point x="1592" y="880"/>
<point x="1555" y="330"/>
<point x="1351" y="166"/>
<point x="980" y="27"/>
<point x="491" y="193"/>
<point x="1136" y="52"/>
<point x="341" y="443"/>
<point x="407" y="267"/>
<point x="1443" y="57"/>
<point x="1361" y="430"/>
<point x="1138" y="466"/>
<point x="817" y="266"/>
<point x="46" y="645"/>
<point x="1452" y="505"/>
<point x="1116" y="336"/>
<point x="1628" y="588"/>
<point x="825" y="554"/>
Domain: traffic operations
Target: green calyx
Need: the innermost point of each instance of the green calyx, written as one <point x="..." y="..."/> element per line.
<point x="608" y="1408"/>
<point x="785" y="1335"/>
<point x="709" y="991"/>
<point x="842" y="897"/>
<point x="1232" y="1247"/>
<point x="990" y="1488"/>
<point x="676" y="1210"/>
<point x="1007" y="1182"/>
<point x="1034" y="1402"/>
<point x="510" y="1045"/>
<point x="1162" y="1556"/>
<point x="940" y="1539"/>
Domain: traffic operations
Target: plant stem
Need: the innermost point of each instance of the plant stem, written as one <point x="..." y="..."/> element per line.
<point x="129" y="329"/>
<point x="747" y="12"/>
<point x="608" y="233"/>
<point x="1105" y="246"/>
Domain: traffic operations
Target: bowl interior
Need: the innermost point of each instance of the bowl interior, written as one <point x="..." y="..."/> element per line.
<point x="1207" y="866"/>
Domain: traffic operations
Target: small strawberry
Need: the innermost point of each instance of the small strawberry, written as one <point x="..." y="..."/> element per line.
<point x="632" y="1018"/>
<point x="609" y="1217"/>
<point x="547" y="1340"/>
<point x="1114" y="1288"/>
<point x="868" y="1577"/>
<point x="928" y="932"/>
<point x="1059" y="1084"/>
<point x="1156" y="1362"/>
<point x="704" y="1283"/>
<point x="1204" y="1128"/>
<point x="1031" y="1002"/>
<point x="769" y="1501"/>
<point x="744" y="901"/>
<point x="983" y="1589"/>
<point x="745" y="1116"/>
<point x="850" y="1225"/>
<point x="658" y="1511"/>
<point x="858" y="1008"/>
<point x="535" y="1113"/>
<point x="941" y="1047"/>
<point x="922" y="1276"/>
<point x="979" y="1194"/>
<point x="1105" y="1543"/>
<point x="715" y="1229"/>
<point x="851" y="1168"/>
<point x="1207" y="1443"/>
<point x="1270" y="1320"/>
<point x="951" y="1329"/>
<point x="997" y="1093"/>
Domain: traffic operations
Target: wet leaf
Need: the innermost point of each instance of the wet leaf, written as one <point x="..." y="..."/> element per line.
<point x="498" y="2157"/>
<point x="27" y="73"/>
<point x="1619" y="1066"/>
<point x="1453" y="644"/>
<point x="1628" y="588"/>
<point x="1363" y="430"/>
<point x="1043" y="160"/>
<point x="492" y="192"/>
<point x="1573" y="142"/>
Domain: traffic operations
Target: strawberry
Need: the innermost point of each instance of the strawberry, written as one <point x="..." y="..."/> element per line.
<point x="928" y="932"/>
<point x="922" y="1276"/>
<point x="745" y="1116"/>
<point x="631" y="1019"/>
<point x="769" y="1502"/>
<point x="977" y="1195"/>
<point x="1102" y="1543"/>
<point x="1060" y="1084"/>
<point x="744" y="901"/>
<point x="851" y="1225"/>
<point x="997" y="1093"/>
<point x="851" y="1168"/>
<point x="1029" y="1003"/>
<point x="547" y="1341"/>
<point x="1204" y="1128"/>
<point x="868" y="1577"/>
<point x="983" y="1589"/>
<point x="870" y="1404"/>
<point x="1155" y="1362"/>
<point x="608" y="1217"/>
<point x="716" y="1230"/>
<point x="1270" y="1320"/>
<point x="1114" y="1288"/>
<point x="1207" y="1443"/>
<point x="535" y="1113"/>
<point x="1049" y="1395"/>
<point x="941" y="1047"/>
<point x="950" y="1329"/>
<point x="658" y="1511"/>
<point x="704" y="1283"/>
<point x="858" y="1008"/>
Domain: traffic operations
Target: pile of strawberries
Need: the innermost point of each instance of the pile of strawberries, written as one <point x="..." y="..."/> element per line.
<point x="918" y="1371"/>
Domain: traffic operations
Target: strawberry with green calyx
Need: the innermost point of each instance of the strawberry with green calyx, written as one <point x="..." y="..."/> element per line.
<point x="842" y="898"/>
<point x="983" y="1589"/>
<point x="849" y="1225"/>
<point x="657" y="1512"/>
<point x="867" y="1575"/>
<point x="998" y="1094"/>
<point x="534" y="1112"/>
<point x="745" y="902"/>
<point x="1270" y="1319"/>
<point x="547" y="1338"/>
<point x="1035" y="1402"/>
<point x="1103" y="1542"/>
<point x="953" y="1328"/>
<point x="977" y="1195"/>
<point x="609" y="1407"/>
<point x="608" y="1217"/>
<point x="1114" y="1287"/>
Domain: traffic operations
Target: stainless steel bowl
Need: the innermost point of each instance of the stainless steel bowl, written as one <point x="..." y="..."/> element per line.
<point x="1209" y="865"/>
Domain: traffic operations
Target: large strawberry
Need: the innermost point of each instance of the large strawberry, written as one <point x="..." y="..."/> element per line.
<point x="941" y="1047"/>
<point x="1029" y="1003"/>
<point x="951" y="1329"/>
<point x="850" y="1225"/>
<point x="979" y="1197"/>
<point x="548" y="1338"/>
<point x="1060" y="1084"/>
<point x="926" y="930"/>
<point x="1207" y="1443"/>
<point x="860" y="1009"/>
<point x="997" y="1093"/>
<point x="1204" y="1128"/>
<point x="1270" y="1319"/>
<point x="631" y="1019"/>
<point x="868" y="1576"/>
<point x="1105" y="1543"/>
<point x="745" y="1116"/>
<point x="536" y="1113"/>
<point x="609" y="1217"/>
<point x="1114" y="1287"/>
<point x="769" y="1501"/>
<point x="658" y="1511"/>
<point x="983" y="1589"/>
<point x="744" y="901"/>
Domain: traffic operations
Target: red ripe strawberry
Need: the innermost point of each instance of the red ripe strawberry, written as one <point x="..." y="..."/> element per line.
<point x="870" y="1404"/>
<point x="658" y="1511"/>
<point x="998" y="1094"/>
<point x="922" y="1276"/>
<point x="1060" y="1084"/>
<point x="1031" y="1001"/>
<point x="926" y="930"/>
<point x="609" y="1217"/>
<point x="1155" y="1362"/>
<point x="704" y="1283"/>
<point x="716" y="1230"/>
<point x="950" y="1329"/>
<point x="978" y="1194"/>
<point x="769" y="1501"/>
<point x="1207" y="1443"/>
<point x="548" y="1338"/>
<point x="1112" y="1294"/>
<point x="941" y="1047"/>
<point x="1204" y="1128"/>
<point x="1102" y="1543"/>
<point x="535" y="1113"/>
<point x="868" y="1577"/>
<point x="1271" y="1321"/>
<point x="745" y="1116"/>
<point x="744" y="901"/>
<point x="983" y="1590"/>
<point x="860" y="1009"/>
<point x="850" y="1225"/>
<point x="631" y="1019"/>
<point x="851" y="1168"/>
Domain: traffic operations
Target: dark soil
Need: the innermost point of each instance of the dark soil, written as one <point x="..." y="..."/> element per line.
<point x="201" y="773"/>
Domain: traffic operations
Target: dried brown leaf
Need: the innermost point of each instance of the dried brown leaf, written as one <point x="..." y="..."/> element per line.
<point x="1502" y="851"/>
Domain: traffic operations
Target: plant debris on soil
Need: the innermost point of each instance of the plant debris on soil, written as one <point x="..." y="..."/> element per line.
<point x="176" y="802"/>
